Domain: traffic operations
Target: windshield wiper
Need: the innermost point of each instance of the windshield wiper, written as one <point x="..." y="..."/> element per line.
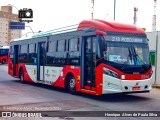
<point x="137" y="57"/>
<point x="142" y="62"/>
<point x="130" y="56"/>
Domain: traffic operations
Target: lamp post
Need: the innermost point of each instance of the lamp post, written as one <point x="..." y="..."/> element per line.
<point x="13" y="6"/>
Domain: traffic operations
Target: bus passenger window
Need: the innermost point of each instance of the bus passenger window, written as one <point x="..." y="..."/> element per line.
<point x="52" y="46"/>
<point x="74" y="44"/>
<point x="24" y="48"/>
<point x="32" y="48"/>
<point x="61" y="45"/>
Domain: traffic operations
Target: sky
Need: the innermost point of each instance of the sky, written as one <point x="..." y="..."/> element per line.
<point x="52" y="14"/>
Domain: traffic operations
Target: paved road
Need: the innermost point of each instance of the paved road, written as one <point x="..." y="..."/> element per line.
<point x="15" y="95"/>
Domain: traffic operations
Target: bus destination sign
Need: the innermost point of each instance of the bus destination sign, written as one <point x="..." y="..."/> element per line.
<point x="126" y="39"/>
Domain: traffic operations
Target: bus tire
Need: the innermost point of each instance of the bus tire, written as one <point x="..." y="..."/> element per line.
<point x="21" y="75"/>
<point x="3" y="61"/>
<point x="72" y="85"/>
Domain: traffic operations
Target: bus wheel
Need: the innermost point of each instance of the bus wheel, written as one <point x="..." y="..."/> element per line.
<point x="21" y="76"/>
<point x="3" y="61"/>
<point x="72" y="85"/>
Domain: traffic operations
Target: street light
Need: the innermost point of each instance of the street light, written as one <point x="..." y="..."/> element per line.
<point x="13" y="6"/>
<point x="30" y="28"/>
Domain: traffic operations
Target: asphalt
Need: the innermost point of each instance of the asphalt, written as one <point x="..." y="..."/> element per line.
<point x="17" y="96"/>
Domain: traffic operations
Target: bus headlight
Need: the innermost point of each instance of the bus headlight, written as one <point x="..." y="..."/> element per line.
<point x="110" y="73"/>
<point x="151" y="73"/>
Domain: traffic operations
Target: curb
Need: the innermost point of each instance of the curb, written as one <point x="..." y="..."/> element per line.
<point x="156" y="86"/>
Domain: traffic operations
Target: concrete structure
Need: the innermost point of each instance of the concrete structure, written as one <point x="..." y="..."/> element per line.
<point x="6" y="34"/>
<point x="154" y="46"/>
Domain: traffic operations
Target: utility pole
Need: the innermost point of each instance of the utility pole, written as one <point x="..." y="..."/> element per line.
<point x="114" y="18"/>
<point x="92" y="1"/>
<point x="135" y="16"/>
<point x="154" y="16"/>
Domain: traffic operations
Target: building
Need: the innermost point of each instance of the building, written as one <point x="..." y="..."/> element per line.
<point x="6" y="34"/>
<point x="154" y="46"/>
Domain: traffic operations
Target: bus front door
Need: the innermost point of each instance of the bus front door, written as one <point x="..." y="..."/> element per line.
<point x="41" y="61"/>
<point x="15" y="60"/>
<point x="88" y="63"/>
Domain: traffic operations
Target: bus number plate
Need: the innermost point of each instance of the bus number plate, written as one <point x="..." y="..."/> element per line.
<point x="136" y="88"/>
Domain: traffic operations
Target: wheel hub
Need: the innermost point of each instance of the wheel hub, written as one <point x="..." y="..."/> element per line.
<point x="72" y="83"/>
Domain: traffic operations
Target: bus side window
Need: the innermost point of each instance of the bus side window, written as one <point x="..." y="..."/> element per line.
<point x="24" y="49"/>
<point x="19" y="50"/>
<point x="61" y="45"/>
<point x="32" y="48"/>
<point x="74" y="55"/>
<point x="60" y="52"/>
<point x="10" y="49"/>
<point x="23" y="53"/>
<point x="3" y="51"/>
<point x="74" y="44"/>
<point x="32" y="57"/>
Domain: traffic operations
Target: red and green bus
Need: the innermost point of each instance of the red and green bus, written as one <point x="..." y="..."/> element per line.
<point x="4" y="54"/>
<point x="98" y="57"/>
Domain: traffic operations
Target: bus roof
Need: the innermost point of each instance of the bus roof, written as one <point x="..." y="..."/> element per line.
<point x="51" y="32"/>
<point x="70" y="28"/>
<point x="94" y="23"/>
<point x="110" y="26"/>
<point x="22" y="38"/>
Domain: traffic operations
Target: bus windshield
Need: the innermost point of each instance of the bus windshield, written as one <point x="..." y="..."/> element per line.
<point x="127" y="53"/>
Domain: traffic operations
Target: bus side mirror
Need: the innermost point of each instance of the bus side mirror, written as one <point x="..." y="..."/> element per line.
<point x="99" y="32"/>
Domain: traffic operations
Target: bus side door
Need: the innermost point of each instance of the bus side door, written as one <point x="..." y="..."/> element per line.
<point x="41" y="60"/>
<point x="15" y="60"/>
<point x="88" y="64"/>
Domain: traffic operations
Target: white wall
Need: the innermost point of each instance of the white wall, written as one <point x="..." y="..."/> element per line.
<point x="158" y="60"/>
<point x="154" y="45"/>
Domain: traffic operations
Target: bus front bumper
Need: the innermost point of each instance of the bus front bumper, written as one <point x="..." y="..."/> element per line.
<point x="115" y="85"/>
